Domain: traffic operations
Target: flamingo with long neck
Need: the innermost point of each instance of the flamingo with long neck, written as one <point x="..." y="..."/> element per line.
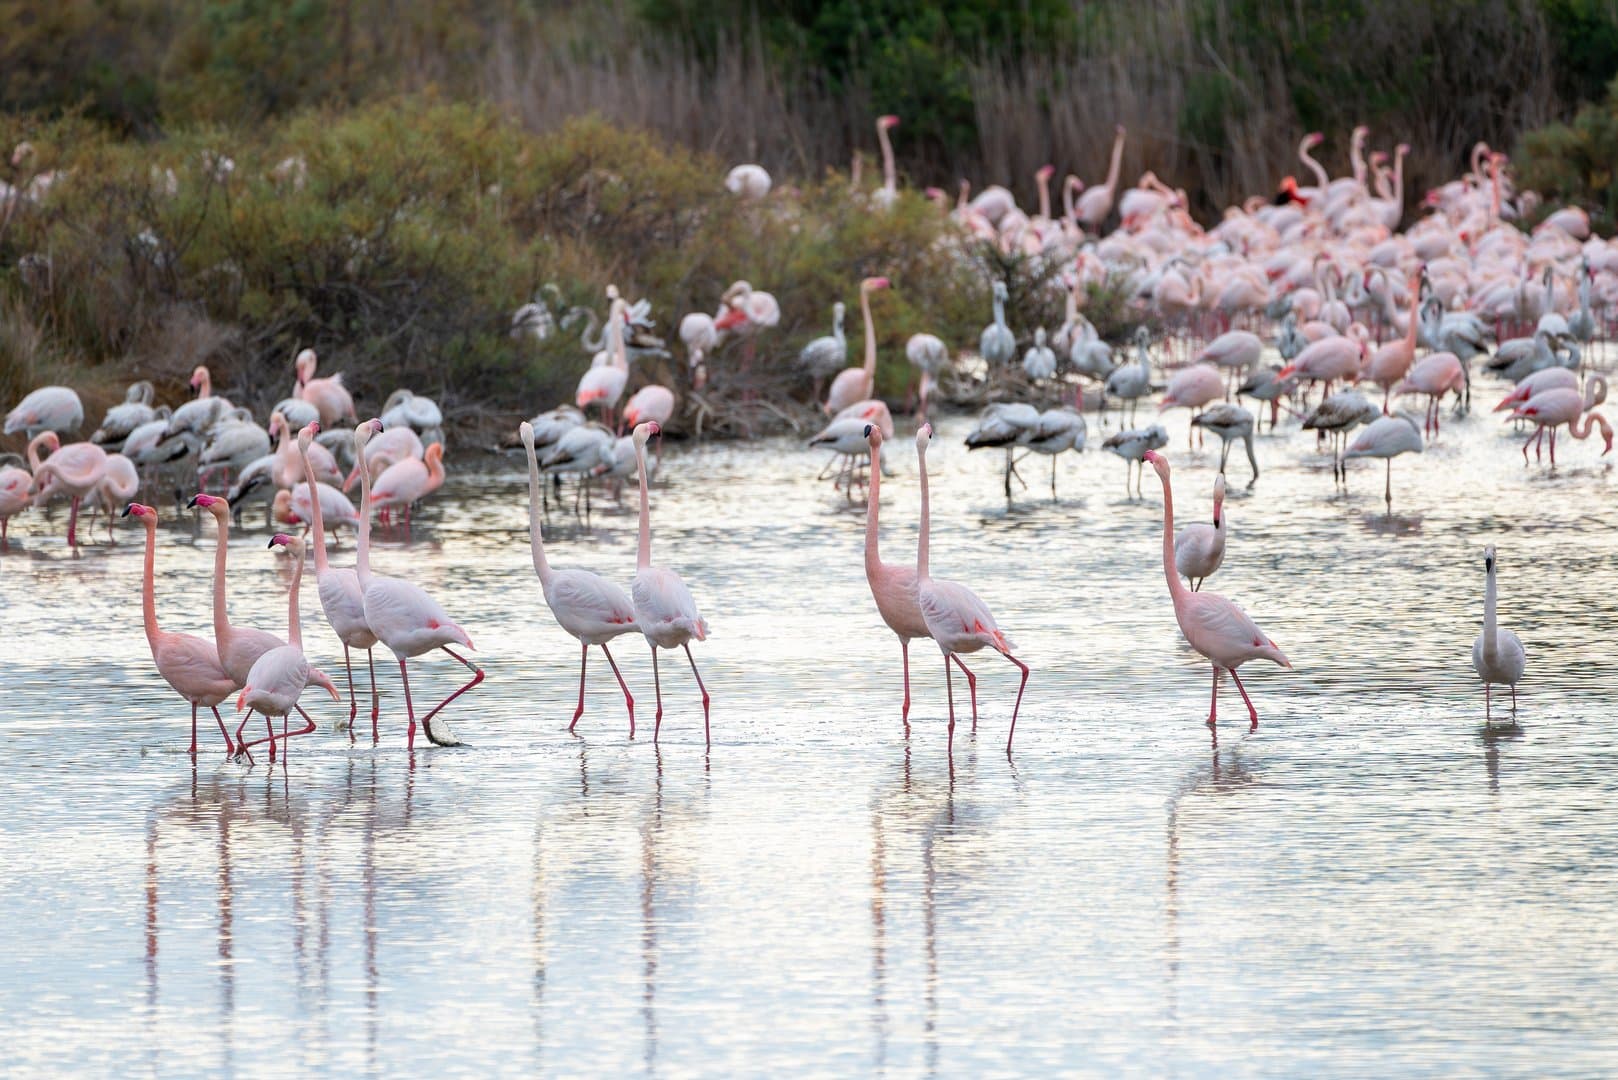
<point x="1096" y="203"/>
<point x="341" y="598"/>
<point x="1552" y="408"/>
<point x="890" y="173"/>
<point x="189" y="664"/>
<point x="239" y="646"/>
<point x="858" y="384"/>
<point x="1391" y="362"/>
<point x="1309" y="142"/>
<point x="1497" y="655"/>
<point x="1212" y="625"/>
<point x="955" y="617"/>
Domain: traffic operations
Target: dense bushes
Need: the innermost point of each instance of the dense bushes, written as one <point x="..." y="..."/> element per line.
<point x="1577" y="162"/>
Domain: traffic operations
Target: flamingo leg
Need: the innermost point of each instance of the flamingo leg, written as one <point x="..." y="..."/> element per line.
<point x="230" y="747"/>
<point x="584" y="656"/>
<point x="1553" y="448"/>
<point x="353" y="702"/>
<point x="629" y="702"/>
<point x="1513" y="699"/>
<point x="904" y="715"/>
<point x="707" y="738"/>
<point x="269" y="726"/>
<point x="1018" y="706"/>
<point x="376" y="701"/>
<point x="193" y="750"/>
<point x="73" y="524"/>
<point x="477" y="677"/>
<point x="971" y="686"/>
<point x="1213" y="699"/>
<point x="1387" y="490"/>
<point x="657" y="687"/>
<point x="241" y="746"/>
<point x="949" y="682"/>
<point x="1252" y="713"/>
<point x="410" y="709"/>
<point x="1488" y="714"/>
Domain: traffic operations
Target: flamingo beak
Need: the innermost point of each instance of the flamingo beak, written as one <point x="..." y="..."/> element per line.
<point x="729" y="319"/>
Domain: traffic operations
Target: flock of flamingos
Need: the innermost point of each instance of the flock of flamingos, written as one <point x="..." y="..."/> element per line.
<point x="1320" y="277"/>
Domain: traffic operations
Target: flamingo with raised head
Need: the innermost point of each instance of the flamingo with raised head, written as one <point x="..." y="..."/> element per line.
<point x="663" y="605"/>
<point x="1199" y="548"/>
<point x="888" y="193"/>
<point x="1213" y="626"/>
<point x="404" y="617"/>
<point x="1497" y="655"/>
<point x="955" y="617"/>
<point x="858" y="384"/>
<point x="239" y="646"/>
<point x="586" y="605"/>
<point x="187" y="663"/>
<point x="1096" y="202"/>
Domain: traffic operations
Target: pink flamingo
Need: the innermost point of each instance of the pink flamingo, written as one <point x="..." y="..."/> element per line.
<point x="1096" y="203"/>
<point x="403" y="616"/>
<point x="654" y="403"/>
<point x="405" y="482"/>
<point x="955" y="617"/>
<point x="1434" y="375"/>
<point x="1193" y="387"/>
<point x="893" y="586"/>
<point x="858" y="383"/>
<point x="1547" y="379"/>
<point x="74" y="471"/>
<point x="189" y="664"/>
<point x="14" y="485"/>
<point x="342" y="599"/>
<point x="1391" y="362"/>
<point x="1212" y="625"/>
<point x="663" y="605"/>
<point x="389" y="448"/>
<point x="239" y="646"/>
<point x="329" y="396"/>
<point x="1549" y="409"/>
<point x="119" y="483"/>
<point x="586" y="605"/>
<point x="289" y="469"/>
<point x="278" y="678"/>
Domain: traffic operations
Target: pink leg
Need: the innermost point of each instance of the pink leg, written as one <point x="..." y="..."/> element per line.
<point x="353" y="702"/>
<point x="376" y="702"/>
<point x="629" y="702"/>
<point x="972" y="688"/>
<point x="230" y="748"/>
<point x="1018" y="706"/>
<point x="1251" y="712"/>
<point x="410" y="709"/>
<point x="1213" y="699"/>
<point x="241" y="746"/>
<point x="657" y="686"/>
<point x="73" y="524"/>
<point x="477" y="677"/>
<point x="193" y="750"/>
<point x="707" y="738"/>
<point x="1553" y="448"/>
<point x="904" y="651"/>
<point x="584" y="655"/>
<point x="949" y="681"/>
<point x="269" y="726"/>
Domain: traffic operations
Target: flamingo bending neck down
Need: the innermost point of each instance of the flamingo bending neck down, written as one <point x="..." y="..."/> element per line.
<point x="341" y="597"/>
<point x="586" y="605"/>
<point x="189" y="664"/>
<point x="1212" y="625"/>
<point x="663" y="605"/>
<point x="955" y="617"/>
<point x="404" y="617"/>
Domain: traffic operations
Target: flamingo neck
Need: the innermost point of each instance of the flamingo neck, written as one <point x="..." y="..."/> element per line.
<point x="1177" y="587"/>
<point x="294" y="628"/>
<point x="316" y="519"/>
<point x="1313" y="166"/>
<point x="148" y="594"/>
<point x="536" y="543"/>
<point x="643" y="556"/>
<point x="890" y="176"/>
<point x="1117" y="161"/>
<point x="1356" y="156"/>
<point x="873" y="554"/>
<point x="926" y="522"/>
<point x="362" y="551"/>
<point x="221" y="618"/>
<point x="33" y="450"/>
<point x="205" y="387"/>
<point x="870" y="343"/>
<point x="1415" y="320"/>
<point x="1044" y="196"/>
<point x="1490" y="645"/>
<point x="1399" y="184"/>
<point x="435" y="468"/>
<point x="999" y="310"/>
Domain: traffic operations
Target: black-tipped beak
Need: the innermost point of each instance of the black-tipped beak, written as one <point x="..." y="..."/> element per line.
<point x="192" y="504"/>
<point x="127" y="509"/>
<point x="867" y="431"/>
<point x="271" y="543"/>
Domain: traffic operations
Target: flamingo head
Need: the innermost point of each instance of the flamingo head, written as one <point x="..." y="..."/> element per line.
<point x="140" y="510"/>
<point x="731" y="318"/>
<point x="872" y="284"/>
<point x="525" y="432"/>
<point x="1488" y="558"/>
<point x="924" y="435"/>
<point x="1402" y="149"/>
<point x="887" y="122"/>
<point x="873" y="435"/>
<point x="644" y="432"/>
<point x="1045" y="172"/>
<point x="1314" y="138"/>
<point x="199" y="378"/>
<point x="281" y="509"/>
<point x="1286" y="371"/>
<point x="304" y="365"/>
<point x="307" y="435"/>
<point x="363" y="433"/>
<point x="1159" y="462"/>
<point x="293" y="544"/>
<point x="212" y="503"/>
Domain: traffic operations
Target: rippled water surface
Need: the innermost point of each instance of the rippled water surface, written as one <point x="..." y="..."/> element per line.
<point x="1370" y="884"/>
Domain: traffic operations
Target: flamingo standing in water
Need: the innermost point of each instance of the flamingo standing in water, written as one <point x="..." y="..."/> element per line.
<point x="189" y="664"/>
<point x="1549" y="409"/>
<point x="955" y="617"/>
<point x="663" y="605"/>
<point x="329" y="396"/>
<point x="1199" y="548"/>
<point x="278" y="678"/>
<point x="342" y="599"/>
<point x="14" y="484"/>
<point x="405" y="482"/>
<point x="586" y="605"/>
<point x="75" y="471"/>
<point x="404" y="617"/>
<point x="1212" y="625"/>
<point x="893" y="586"/>
<point x="1096" y="203"/>
<point x="239" y="646"/>
<point x="1497" y="655"/>
<point x="858" y="384"/>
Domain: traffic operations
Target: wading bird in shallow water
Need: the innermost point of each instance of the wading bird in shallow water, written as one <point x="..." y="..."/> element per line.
<point x="239" y="646"/>
<point x="1212" y="625"/>
<point x="1497" y="655"/>
<point x="586" y="605"/>
<point x="189" y="664"/>
<point x="1199" y="548"/>
<point x="955" y="617"/>
<point x="404" y="617"/>
<point x="663" y="605"/>
<point x="279" y="677"/>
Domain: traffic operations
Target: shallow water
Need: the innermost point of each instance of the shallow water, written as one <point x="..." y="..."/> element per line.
<point x="1371" y="882"/>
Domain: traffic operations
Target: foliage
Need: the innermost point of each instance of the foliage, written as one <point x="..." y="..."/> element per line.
<point x="1577" y="162"/>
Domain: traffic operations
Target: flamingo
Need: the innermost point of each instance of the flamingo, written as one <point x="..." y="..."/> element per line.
<point x="1039" y="361"/>
<point x="603" y="384"/>
<point x="995" y="344"/>
<point x="749" y="181"/>
<point x="1386" y="437"/>
<point x="1328" y="360"/>
<point x="651" y="402"/>
<point x="328" y="395"/>
<point x="1552" y="408"/>
<point x="294" y="507"/>
<point x="1008" y="424"/>
<point x="1547" y="379"/>
<point x="1337" y="415"/>
<point x="122" y="419"/>
<point x="858" y="384"/>
<point x="406" y="482"/>
<point x="50" y="408"/>
<point x="1266" y="384"/>
<point x="928" y="355"/>
<point x="407" y="409"/>
<point x="278" y="678"/>
<point x="1193" y="387"/>
<point x="1130" y="382"/>
<point x="404" y="617"/>
<point x="1434" y="375"/>
<point x="1391" y="362"/>
<point x="956" y="619"/>
<point x="663" y="605"/>
<point x="239" y="646"/>
<point x="75" y="471"/>
<point x="187" y="663"/>
<point x="1229" y="422"/>
<point x="14" y="498"/>
<point x="825" y="356"/>
<point x="1133" y="446"/>
<point x="1056" y="430"/>
<point x="586" y="605"/>
<point x="1199" y="549"/>
<point x="394" y="445"/>
<point x="1234" y="351"/>
<point x="1215" y="627"/>
<point x="1497" y="655"/>
<point x="700" y="335"/>
<point x="119" y="483"/>
<point x="1096" y="202"/>
<point x="888" y="193"/>
<point x="342" y="599"/>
